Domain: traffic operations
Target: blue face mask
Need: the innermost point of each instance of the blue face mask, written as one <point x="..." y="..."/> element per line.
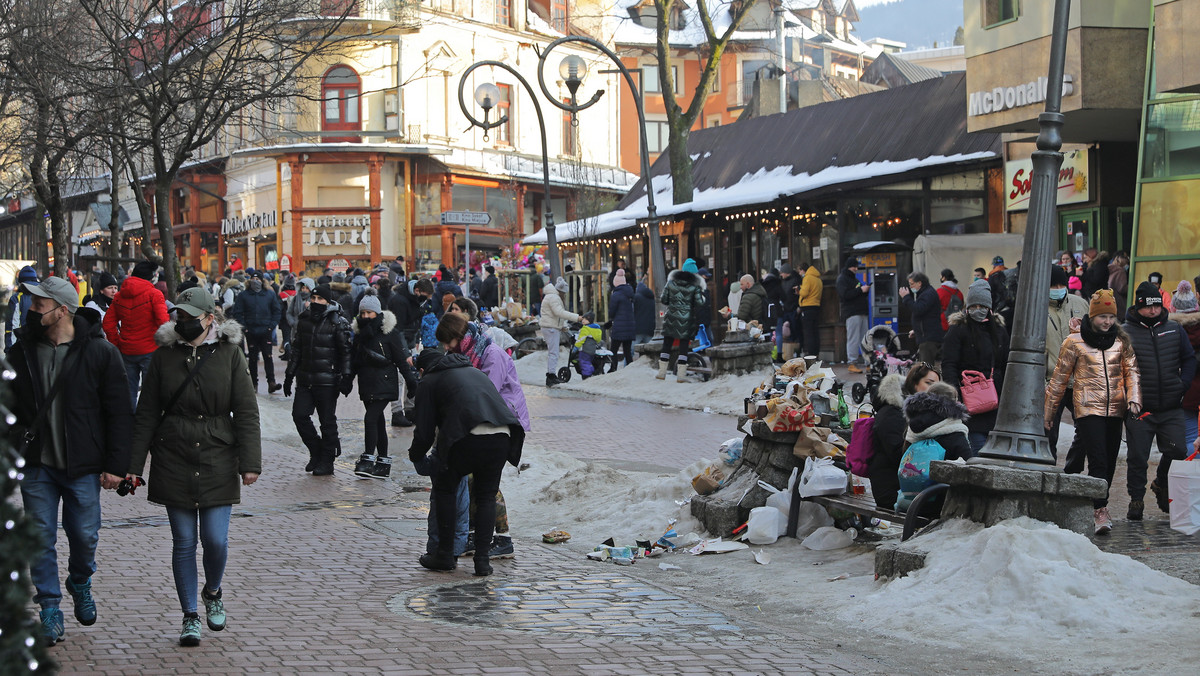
<point x="1058" y="294"/>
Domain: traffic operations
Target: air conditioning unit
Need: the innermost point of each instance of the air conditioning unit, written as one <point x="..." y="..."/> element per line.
<point x="389" y="104"/>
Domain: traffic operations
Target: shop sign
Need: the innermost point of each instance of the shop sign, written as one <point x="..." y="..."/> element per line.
<point x="339" y="265"/>
<point x="338" y="230"/>
<point x="1073" y="183"/>
<point x="1004" y="98"/>
<point x="236" y="225"/>
<point x="285" y="263"/>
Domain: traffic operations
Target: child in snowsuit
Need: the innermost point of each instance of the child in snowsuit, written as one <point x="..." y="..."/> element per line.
<point x="588" y="341"/>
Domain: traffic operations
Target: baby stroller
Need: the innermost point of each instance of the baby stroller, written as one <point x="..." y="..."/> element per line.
<point x="884" y="356"/>
<point x="601" y="358"/>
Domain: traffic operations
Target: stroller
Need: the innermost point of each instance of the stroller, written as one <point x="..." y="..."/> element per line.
<point x="884" y="356"/>
<point x="601" y="357"/>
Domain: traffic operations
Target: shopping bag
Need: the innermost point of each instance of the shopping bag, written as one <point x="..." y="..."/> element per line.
<point x="979" y="392"/>
<point x="765" y="525"/>
<point x="1183" y="484"/>
<point x="813" y="442"/>
<point x="821" y="477"/>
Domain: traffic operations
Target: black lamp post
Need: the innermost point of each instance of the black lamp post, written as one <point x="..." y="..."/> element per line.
<point x="487" y="95"/>
<point x="1019" y="438"/>
<point x="573" y="69"/>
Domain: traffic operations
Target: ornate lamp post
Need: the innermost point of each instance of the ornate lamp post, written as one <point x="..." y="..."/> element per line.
<point x="1019" y="439"/>
<point x="487" y="95"/>
<point x="573" y="69"/>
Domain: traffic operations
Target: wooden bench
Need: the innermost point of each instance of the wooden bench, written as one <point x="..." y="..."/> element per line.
<point x="864" y="505"/>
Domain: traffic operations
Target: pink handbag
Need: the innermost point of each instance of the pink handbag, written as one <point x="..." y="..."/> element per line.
<point x="979" y="392"/>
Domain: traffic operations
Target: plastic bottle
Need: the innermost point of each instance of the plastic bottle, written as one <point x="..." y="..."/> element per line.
<point x="843" y="411"/>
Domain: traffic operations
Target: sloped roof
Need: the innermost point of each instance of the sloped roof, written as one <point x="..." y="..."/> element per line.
<point x="909" y="72"/>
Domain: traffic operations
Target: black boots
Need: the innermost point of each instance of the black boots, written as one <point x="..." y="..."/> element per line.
<point x="438" y="562"/>
<point x="552" y="380"/>
<point x="400" y="420"/>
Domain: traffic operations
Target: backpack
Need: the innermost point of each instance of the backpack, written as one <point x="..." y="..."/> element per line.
<point x="429" y="324"/>
<point x="862" y="446"/>
<point x="914" y="470"/>
<point x="955" y="304"/>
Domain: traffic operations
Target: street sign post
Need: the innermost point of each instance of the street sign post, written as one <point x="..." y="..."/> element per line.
<point x="466" y="219"/>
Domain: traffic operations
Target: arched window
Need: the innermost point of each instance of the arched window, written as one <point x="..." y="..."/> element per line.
<point x="339" y="93"/>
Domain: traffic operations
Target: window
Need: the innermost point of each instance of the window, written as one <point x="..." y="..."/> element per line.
<point x="570" y="134"/>
<point x="558" y="15"/>
<point x="751" y="70"/>
<point x="504" y="12"/>
<point x="998" y="11"/>
<point x="657" y="135"/>
<point x="340" y="91"/>
<point x="650" y="82"/>
<point x="339" y="8"/>
<point x="504" y="133"/>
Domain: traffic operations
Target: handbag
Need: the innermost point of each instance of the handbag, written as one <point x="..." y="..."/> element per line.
<point x="979" y="392"/>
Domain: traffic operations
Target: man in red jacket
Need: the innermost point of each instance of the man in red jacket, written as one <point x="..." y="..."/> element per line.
<point x="135" y="314"/>
<point x="948" y="290"/>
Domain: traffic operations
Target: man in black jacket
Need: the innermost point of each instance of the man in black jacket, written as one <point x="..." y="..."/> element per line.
<point x="853" y="295"/>
<point x="1167" y="365"/>
<point x="79" y="444"/>
<point x="489" y="289"/>
<point x="258" y="310"/>
<point x="319" y="362"/>
<point x="409" y="307"/>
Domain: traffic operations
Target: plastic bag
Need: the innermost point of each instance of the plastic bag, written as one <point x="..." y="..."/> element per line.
<point x="781" y="500"/>
<point x="765" y="525"/>
<point x="821" y="477"/>
<point x="730" y="451"/>
<point x="828" y="537"/>
<point x="811" y="517"/>
<point x="1183" y="485"/>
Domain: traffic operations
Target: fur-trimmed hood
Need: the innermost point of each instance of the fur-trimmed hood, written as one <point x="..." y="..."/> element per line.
<point x="930" y="415"/>
<point x="227" y="331"/>
<point x="389" y="322"/>
<point x="891" y="391"/>
<point x="340" y="287"/>
<point x="688" y="278"/>
<point x="960" y="318"/>
<point x="1185" y="319"/>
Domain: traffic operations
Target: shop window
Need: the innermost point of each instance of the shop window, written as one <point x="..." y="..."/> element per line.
<point x="1172" y="144"/>
<point x="504" y="133"/>
<point x="504" y="12"/>
<point x="996" y="12"/>
<point x="340" y="90"/>
<point x="559" y="15"/>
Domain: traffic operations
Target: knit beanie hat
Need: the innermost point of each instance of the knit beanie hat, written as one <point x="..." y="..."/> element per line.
<point x="145" y="270"/>
<point x="1147" y="295"/>
<point x="27" y="274"/>
<point x="1104" y="304"/>
<point x="690" y="266"/>
<point x="106" y="280"/>
<point x="1058" y="276"/>
<point x="619" y="278"/>
<point x="979" y="293"/>
<point x="369" y="303"/>
<point x="324" y="291"/>
<point x="1185" y="298"/>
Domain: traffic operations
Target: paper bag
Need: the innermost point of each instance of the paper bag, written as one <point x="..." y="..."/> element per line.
<point x="812" y="444"/>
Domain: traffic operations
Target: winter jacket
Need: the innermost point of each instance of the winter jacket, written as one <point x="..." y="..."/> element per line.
<point x="489" y="292"/>
<point x="773" y="286"/>
<point x="135" y="314"/>
<point x="211" y="435"/>
<point x="358" y="286"/>
<point x="429" y="324"/>
<point x="888" y="432"/>
<point x="18" y="305"/>
<point x="378" y="355"/>
<point x="1058" y="326"/>
<point x="644" y="310"/>
<point x="502" y="371"/>
<point x="442" y="288"/>
<point x="753" y="305"/>
<point x="554" y="315"/>
<point x="587" y="331"/>
<point x="972" y="346"/>
<point x="683" y="296"/>
<point x="343" y="298"/>
<point x="452" y="399"/>
<point x="945" y="292"/>
<point x="257" y="311"/>
<point x="932" y="417"/>
<point x="1118" y="281"/>
<point x="621" y="312"/>
<point x="97" y="413"/>
<point x="1095" y="277"/>
<point x="409" y="309"/>
<point x="1190" y="321"/>
<point x="1166" y="361"/>
<point x="230" y="290"/>
<point x="926" y="308"/>
<point x="1105" y="382"/>
<point x="853" y="300"/>
<point x="320" y="348"/>
<point x="296" y="306"/>
<point x="811" y="288"/>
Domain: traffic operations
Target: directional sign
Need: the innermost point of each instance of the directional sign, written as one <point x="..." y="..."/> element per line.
<point x="466" y="218"/>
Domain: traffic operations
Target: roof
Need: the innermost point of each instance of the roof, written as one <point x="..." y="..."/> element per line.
<point x="885" y="66"/>
<point x="873" y="136"/>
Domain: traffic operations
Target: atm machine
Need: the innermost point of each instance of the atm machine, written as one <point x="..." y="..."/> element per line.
<point x="879" y="267"/>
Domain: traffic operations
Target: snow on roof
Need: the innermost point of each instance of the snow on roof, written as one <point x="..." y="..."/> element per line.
<point x="762" y="186"/>
<point x="629" y="32"/>
<point x="536" y="24"/>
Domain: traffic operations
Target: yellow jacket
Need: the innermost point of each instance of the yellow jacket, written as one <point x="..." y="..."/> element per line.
<point x="589" y="331"/>
<point x="811" y="287"/>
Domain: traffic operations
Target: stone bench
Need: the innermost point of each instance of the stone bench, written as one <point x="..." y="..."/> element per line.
<point x="726" y="358"/>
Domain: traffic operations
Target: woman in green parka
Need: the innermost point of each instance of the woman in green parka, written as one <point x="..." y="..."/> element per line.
<point x="683" y="298"/>
<point x="204" y="445"/>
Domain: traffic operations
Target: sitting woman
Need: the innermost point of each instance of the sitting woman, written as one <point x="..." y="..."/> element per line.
<point x="919" y="378"/>
<point x="936" y="431"/>
<point x="888" y="439"/>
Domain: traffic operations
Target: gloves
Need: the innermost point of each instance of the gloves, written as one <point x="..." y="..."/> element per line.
<point x="287" y="386"/>
<point x="346" y="385"/>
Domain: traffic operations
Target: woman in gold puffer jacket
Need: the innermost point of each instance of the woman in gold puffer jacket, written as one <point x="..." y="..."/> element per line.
<point x="1100" y="358"/>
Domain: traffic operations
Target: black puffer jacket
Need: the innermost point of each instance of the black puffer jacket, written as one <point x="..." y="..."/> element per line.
<point x="888" y="433"/>
<point x="97" y="413"/>
<point x="644" y="310"/>
<point x="452" y="399"/>
<point x="972" y="346"/>
<point x="489" y="292"/>
<point x="1165" y="359"/>
<point x="378" y="354"/>
<point x="320" y="348"/>
<point x="409" y="309"/>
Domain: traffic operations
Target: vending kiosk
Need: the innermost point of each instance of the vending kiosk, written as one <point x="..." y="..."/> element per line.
<point x="879" y="267"/>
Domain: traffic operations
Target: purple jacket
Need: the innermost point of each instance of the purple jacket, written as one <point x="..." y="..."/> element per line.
<point x="502" y="371"/>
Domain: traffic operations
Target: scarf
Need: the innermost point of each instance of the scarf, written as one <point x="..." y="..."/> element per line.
<point x="474" y="344"/>
<point x="1101" y="340"/>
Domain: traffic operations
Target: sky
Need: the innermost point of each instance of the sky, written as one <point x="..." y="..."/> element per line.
<point x="867" y="3"/>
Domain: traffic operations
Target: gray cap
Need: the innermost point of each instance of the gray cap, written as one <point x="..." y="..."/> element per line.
<point x="370" y="303"/>
<point x="195" y="301"/>
<point x="56" y="289"/>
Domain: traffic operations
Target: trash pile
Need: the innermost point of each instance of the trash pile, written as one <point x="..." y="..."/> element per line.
<point x="800" y="397"/>
<point x="513" y="313"/>
<point x="669" y="542"/>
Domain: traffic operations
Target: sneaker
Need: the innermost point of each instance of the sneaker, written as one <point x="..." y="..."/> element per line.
<point x="364" y="466"/>
<point x="52" y="625"/>
<point x="435" y="562"/>
<point x="502" y="548"/>
<point x="470" y="550"/>
<point x="1103" y="523"/>
<point x="1136" y="507"/>
<point x="401" y="420"/>
<point x="214" y="609"/>
<point x="1161" y="496"/>
<point x="190" y="636"/>
<point x="85" y="605"/>
<point x="382" y="468"/>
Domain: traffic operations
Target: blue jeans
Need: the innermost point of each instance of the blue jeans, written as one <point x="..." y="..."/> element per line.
<point x="977" y="440"/>
<point x="1190" y="432"/>
<point x="41" y="490"/>
<point x="642" y="338"/>
<point x="135" y="366"/>
<point x="462" y="508"/>
<point x="214" y="533"/>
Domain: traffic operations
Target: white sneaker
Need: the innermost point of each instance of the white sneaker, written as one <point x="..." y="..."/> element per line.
<point x="1103" y="522"/>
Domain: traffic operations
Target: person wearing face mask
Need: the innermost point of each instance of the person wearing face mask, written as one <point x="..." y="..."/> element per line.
<point x="378" y="356"/>
<point x="926" y="308"/>
<point x="197" y="423"/>
<point x="1101" y="362"/>
<point x="976" y="341"/>
<point x="1066" y="312"/>
<point x="319" y="364"/>
<point x="296" y="306"/>
<point x="258" y="310"/>
<point x="70" y="394"/>
<point x="135" y="314"/>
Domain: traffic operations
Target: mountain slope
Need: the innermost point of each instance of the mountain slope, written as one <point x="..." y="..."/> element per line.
<point x="919" y="23"/>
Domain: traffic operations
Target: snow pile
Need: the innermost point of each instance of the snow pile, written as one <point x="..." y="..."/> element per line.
<point x="636" y="382"/>
<point x="1030" y="578"/>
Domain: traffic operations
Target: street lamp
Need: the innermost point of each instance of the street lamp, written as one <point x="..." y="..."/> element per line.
<point x="488" y="96"/>
<point x="573" y="69"/>
<point x="1019" y="438"/>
